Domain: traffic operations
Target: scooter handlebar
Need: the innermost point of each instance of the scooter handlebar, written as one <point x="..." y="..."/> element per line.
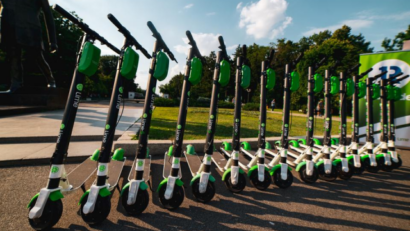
<point x="128" y="35"/>
<point x="400" y="79"/>
<point x="244" y="51"/>
<point x="365" y="73"/>
<point x="84" y="27"/>
<point x="271" y="54"/>
<point x="194" y="46"/>
<point x="353" y="68"/>
<point x="379" y="75"/>
<point x="161" y="42"/>
<point x="222" y="47"/>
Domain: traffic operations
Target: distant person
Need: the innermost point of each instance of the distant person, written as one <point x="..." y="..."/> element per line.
<point x="272" y="104"/>
<point x="319" y="108"/>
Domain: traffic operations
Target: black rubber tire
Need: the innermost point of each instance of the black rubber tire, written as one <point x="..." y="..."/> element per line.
<point x="327" y="177"/>
<point x="239" y="187"/>
<point x="207" y="195"/>
<point x="344" y="175"/>
<point x="101" y="210"/>
<point x="398" y="164"/>
<point x="305" y="177"/>
<point x="256" y="183"/>
<point x="368" y="167"/>
<point x="51" y="215"/>
<point x="360" y="170"/>
<point x="141" y="203"/>
<point x="382" y="166"/>
<point x="176" y="200"/>
<point x="282" y="183"/>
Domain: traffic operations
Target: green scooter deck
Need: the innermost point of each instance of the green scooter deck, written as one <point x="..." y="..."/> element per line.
<point x="114" y="172"/>
<point x="168" y="165"/>
<point x="219" y="160"/>
<point x="194" y="162"/>
<point x="78" y="176"/>
<point x="147" y="170"/>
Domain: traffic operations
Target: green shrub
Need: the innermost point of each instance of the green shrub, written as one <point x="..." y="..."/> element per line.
<point x="251" y="107"/>
<point x="223" y="104"/>
<point x="163" y="102"/>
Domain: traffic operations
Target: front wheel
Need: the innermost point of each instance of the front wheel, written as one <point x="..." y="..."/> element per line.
<point x="368" y="167"/>
<point x="397" y="164"/>
<point x="342" y="174"/>
<point x="207" y="195"/>
<point x="277" y="179"/>
<point x="176" y="200"/>
<point x="305" y="177"/>
<point x="383" y="166"/>
<point x="327" y="177"/>
<point x="261" y="185"/>
<point x="101" y="210"/>
<point x="140" y="204"/>
<point x="359" y="170"/>
<point x="239" y="187"/>
<point x="51" y="215"/>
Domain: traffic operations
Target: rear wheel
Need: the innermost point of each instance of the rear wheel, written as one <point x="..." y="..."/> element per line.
<point x="51" y="215"/>
<point x="261" y="185"/>
<point x="398" y="163"/>
<point x="207" y="195"/>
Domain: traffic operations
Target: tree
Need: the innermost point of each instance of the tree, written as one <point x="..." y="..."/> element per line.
<point x="397" y="42"/>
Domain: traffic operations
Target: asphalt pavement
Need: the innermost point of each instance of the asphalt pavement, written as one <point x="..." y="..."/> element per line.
<point x="368" y="202"/>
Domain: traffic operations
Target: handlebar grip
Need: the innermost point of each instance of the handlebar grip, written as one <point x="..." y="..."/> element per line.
<point x="401" y="78"/>
<point x="321" y="61"/>
<point x="271" y="54"/>
<point x="152" y="28"/>
<point x="115" y="22"/>
<point x="380" y="75"/>
<point x="397" y="75"/>
<point x="221" y="42"/>
<point x="65" y="14"/>
<point x="190" y="38"/>
<point x="366" y="72"/>
<point x="353" y="68"/>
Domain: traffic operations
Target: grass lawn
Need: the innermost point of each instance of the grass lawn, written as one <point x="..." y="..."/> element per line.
<point x="164" y="122"/>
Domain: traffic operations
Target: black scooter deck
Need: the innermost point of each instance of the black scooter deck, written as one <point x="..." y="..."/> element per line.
<point x="114" y="172"/>
<point x="168" y="166"/>
<point x="219" y="160"/>
<point x="82" y="173"/>
<point x="147" y="170"/>
<point x="194" y="162"/>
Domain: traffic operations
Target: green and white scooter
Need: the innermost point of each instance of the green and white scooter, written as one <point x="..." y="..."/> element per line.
<point x="134" y="195"/>
<point x="279" y="168"/>
<point x="254" y="164"/>
<point x="170" y="190"/>
<point x="202" y="183"/>
<point x="234" y="177"/>
<point x="46" y="207"/>
<point x="96" y="202"/>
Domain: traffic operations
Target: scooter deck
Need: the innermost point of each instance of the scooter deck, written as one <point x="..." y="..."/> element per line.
<point x="168" y="166"/>
<point x="194" y="162"/>
<point x="81" y="173"/>
<point x="147" y="169"/>
<point x="114" y="172"/>
<point x="219" y="160"/>
<point x="242" y="159"/>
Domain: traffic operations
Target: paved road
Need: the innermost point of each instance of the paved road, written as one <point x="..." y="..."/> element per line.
<point x="368" y="202"/>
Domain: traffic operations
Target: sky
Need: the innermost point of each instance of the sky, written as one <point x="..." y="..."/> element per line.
<point x="238" y="21"/>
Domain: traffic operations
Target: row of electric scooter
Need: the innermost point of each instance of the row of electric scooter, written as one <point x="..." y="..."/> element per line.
<point x="236" y="161"/>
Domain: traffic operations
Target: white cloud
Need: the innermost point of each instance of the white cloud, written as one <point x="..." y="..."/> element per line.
<point x="239" y="6"/>
<point x="176" y="69"/>
<point x="265" y="18"/>
<point x="233" y="47"/>
<point x="210" y="13"/>
<point x="355" y="24"/>
<point x="374" y="15"/>
<point x="206" y="42"/>
<point x="188" y="6"/>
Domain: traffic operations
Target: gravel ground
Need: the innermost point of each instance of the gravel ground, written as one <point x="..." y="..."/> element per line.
<point x="367" y="202"/>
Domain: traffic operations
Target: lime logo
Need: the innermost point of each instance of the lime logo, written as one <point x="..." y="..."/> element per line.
<point x="189" y="93"/>
<point x="142" y="132"/>
<point x="101" y="168"/>
<point x="121" y="90"/>
<point x="286" y="125"/>
<point x="54" y="169"/>
<point x="209" y="131"/>
<point x="62" y="126"/>
<point x="212" y="117"/>
<point x="145" y="115"/>
<point x="385" y="125"/>
<point x="140" y="163"/>
<point x="79" y="87"/>
<point x="237" y="155"/>
<point x="176" y="161"/>
<point x="263" y="125"/>
<point x="357" y="125"/>
<point x="237" y="120"/>
<point x="310" y="118"/>
<point x="179" y="126"/>
<point x="153" y="89"/>
<point x="208" y="158"/>
<point x="327" y="119"/>
<point x="344" y="125"/>
<point x="107" y="126"/>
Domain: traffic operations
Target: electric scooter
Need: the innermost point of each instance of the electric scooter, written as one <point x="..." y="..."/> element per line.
<point x="96" y="202"/>
<point x="384" y="159"/>
<point x="258" y="174"/>
<point x="368" y="158"/>
<point x="234" y="177"/>
<point x="134" y="195"/>
<point x="170" y="190"/>
<point x="279" y="168"/>
<point x="45" y="208"/>
<point x="305" y="166"/>
<point x="202" y="183"/>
